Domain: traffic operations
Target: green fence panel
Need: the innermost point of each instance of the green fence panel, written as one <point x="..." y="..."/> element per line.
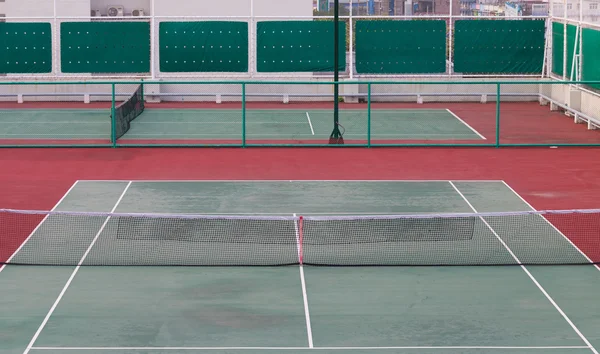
<point x="499" y="46"/>
<point x="105" y="47"/>
<point x="208" y="46"/>
<point x="25" y="48"/>
<point x="590" y="53"/>
<point x="401" y="47"/>
<point x="558" y="47"/>
<point x="295" y="46"/>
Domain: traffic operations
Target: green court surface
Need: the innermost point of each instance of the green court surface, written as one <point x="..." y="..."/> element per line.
<point x="297" y="309"/>
<point x="206" y="124"/>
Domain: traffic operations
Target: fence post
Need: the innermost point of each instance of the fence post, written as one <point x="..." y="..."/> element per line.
<point x="113" y="118"/>
<point x="369" y="114"/>
<point x="243" y="114"/>
<point x="497" y="115"/>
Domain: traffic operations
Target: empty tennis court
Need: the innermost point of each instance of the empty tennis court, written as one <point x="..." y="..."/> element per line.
<point x="229" y="124"/>
<point x="291" y="309"/>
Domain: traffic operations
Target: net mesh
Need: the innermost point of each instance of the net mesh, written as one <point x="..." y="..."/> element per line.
<point x="127" y="111"/>
<point x="116" y="239"/>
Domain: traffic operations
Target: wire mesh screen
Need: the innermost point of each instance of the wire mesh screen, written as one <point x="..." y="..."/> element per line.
<point x="55" y="114"/>
<point x="114" y="239"/>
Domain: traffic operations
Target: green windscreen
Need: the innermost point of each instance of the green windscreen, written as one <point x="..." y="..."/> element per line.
<point x="590" y="54"/>
<point x="25" y="48"/>
<point x="558" y="47"/>
<point x="401" y="47"/>
<point x="105" y="47"/>
<point x="499" y="46"/>
<point x="294" y="46"/>
<point x="211" y="46"/>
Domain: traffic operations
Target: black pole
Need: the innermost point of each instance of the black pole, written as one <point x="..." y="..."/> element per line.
<point x="336" y="136"/>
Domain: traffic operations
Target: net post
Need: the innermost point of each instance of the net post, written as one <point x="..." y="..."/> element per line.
<point x="113" y="118"/>
<point x="300" y="239"/>
<point x="142" y="91"/>
<point x="497" y="115"/>
<point x="243" y="114"/>
<point x="369" y="114"/>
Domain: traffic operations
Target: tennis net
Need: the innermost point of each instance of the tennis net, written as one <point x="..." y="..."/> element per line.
<point x="117" y="239"/>
<point x="127" y="111"/>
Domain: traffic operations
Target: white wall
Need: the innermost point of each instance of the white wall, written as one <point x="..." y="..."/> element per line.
<point x="70" y="8"/>
<point x="202" y="7"/>
<point x="283" y="8"/>
<point x="32" y="8"/>
<point x="129" y="5"/>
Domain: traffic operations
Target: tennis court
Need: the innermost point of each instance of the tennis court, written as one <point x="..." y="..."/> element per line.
<point x="226" y="125"/>
<point x="291" y="309"/>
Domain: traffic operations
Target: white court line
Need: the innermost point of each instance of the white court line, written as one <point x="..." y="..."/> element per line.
<point x="64" y="289"/>
<point x="552" y="225"/>
<point x="303" y="284"/>
<point x="310" y="123"/>
<point x="38" y="226"/>
<point x="315" y="348"/>
<point x="465" y="123"/>
<point x="296" y="180"/>
<point x="533" y="279"/>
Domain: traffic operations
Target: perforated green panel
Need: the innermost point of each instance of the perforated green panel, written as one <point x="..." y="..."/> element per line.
<point x="25" y="48"/>
<point x="558" y="47"/>
<point x="590" y="54"/>
<point x="105" y="47"/>
<point x="499" y="46"/>
<point x="293" y="46"/>
<point x="400" y="47"/>
<point x="212" y="46"/>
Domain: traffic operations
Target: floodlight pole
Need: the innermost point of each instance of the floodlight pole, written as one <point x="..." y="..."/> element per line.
<point x="336" y="136"/>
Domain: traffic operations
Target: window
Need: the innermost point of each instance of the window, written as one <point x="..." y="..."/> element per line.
<point x="569" y="6"/>
<point x="594" y="6"/>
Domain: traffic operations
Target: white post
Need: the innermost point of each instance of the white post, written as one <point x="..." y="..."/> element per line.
<point x="251" y="42"/>
<point x="565" y="47"/>
<point x="153" y="40"/>
<point x="55" y="44"/>
<point x="351" y="44"/>
<point x="450" y="35"/>
<point x="580" y="66"/>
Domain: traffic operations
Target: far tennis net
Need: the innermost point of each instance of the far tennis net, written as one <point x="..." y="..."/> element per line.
<point x="117" y="239"/>
<point x="127" y="111"/>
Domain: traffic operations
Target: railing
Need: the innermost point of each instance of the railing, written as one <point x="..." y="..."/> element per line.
<point x="417" y="113"/>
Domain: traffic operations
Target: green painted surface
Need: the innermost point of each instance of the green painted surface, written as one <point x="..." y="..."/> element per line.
<point x="499" y="46"/>
<point x="105" y="47"/>
<point x="400" y="47"/>
<point x="296" y="46"/>
<point x="590" y="53"/>
<point x="211" y="46"/>
<point x="303" y="198"/>
<point x="222" y="124"/>
<point x="463" y="306"/>
<point x="54" y="124"/>
<point x="294" y="124"/>
<point x="25" y="48"/>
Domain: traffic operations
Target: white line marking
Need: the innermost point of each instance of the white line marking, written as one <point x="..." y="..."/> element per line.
<point x="315" y="348"/>
<point x="234" y="135"/>
<point x="64" y="289"/>
<point x="533" y="279"/>
<point x="465" y="123"/>
<point x="294" y="180"/>
<point x="552" y="225"/>
<point x="38" y="226"/>
<point x="310" y="123"/>
<point x="303" y="284"/>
